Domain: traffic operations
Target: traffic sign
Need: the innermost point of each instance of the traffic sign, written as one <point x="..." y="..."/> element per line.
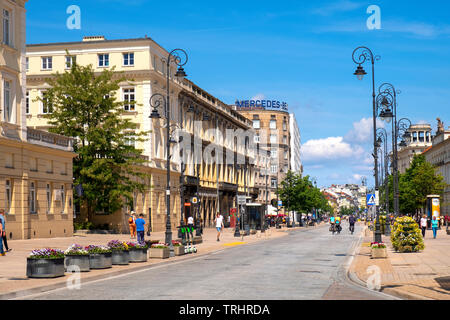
<point x="280" y="203"/>
<point x="371" y="200"/>
<point x="194" y="200"/>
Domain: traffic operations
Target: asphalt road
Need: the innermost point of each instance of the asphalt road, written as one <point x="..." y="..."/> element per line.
<point x="305" y="265"/>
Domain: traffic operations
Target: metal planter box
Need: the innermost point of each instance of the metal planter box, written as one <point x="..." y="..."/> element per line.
<point x="159" y="253"/>
<point x="81" y="261"/>
<point x="138" y="255"/>
<point x="379" y="253"/>
<point x="101" y="260"/>
<point x="120" y="257"/>
<point x="178" y="250"/>
<point x="45" y="268"/>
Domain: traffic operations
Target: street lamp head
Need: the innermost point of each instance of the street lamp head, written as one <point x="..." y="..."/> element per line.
<point x="403" y="144"/>
<point x="155" y="114"/>
<point x="360" y="72"/>
<point x="379" y="141"/>
<point x="180" y="73"/>
<point x="386" y="115"/>
<point x="407" y="135"/>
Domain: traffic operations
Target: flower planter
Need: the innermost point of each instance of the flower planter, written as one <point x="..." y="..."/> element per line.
<point x="101" y="260"/>
<point x="138" y="255"/>
<point x="120" y="257"/>
<point x="45" y="268"/>
<point x="81" y="261"/>
<point x="178" y="250"/>
<point x="379" y="253"/>
<point x="159" y="253"/>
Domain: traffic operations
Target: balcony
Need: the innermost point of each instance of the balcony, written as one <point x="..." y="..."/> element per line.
<point x="225" y="186"/>
<point x="47" y="139"/>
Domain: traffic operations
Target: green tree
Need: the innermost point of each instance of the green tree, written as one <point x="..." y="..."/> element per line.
<point x="84" y="106"/>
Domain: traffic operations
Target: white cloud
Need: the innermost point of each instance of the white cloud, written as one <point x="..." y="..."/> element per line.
<point x="362" y="131"/>
<point x="259" y="96"/>
<point x="332" y="148"/>
<point x="339" y="6"/>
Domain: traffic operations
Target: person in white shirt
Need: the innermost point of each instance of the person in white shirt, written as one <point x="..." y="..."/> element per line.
<point x="219" y="225"/>
<point x="423" y="225"/>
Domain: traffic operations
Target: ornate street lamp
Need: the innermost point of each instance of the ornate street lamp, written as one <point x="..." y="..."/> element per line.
<point x="180" y="58"/>
<point x="360" y="56"/>
<point x="383" y="138"/>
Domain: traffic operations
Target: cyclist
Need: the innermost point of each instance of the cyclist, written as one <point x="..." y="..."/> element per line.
<point x="338" y="224"/>
<point x="332" y="223"/>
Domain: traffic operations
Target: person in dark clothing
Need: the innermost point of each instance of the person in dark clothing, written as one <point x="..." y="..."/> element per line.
<point x="352" y="221"/>
<point x="3" y="232"/>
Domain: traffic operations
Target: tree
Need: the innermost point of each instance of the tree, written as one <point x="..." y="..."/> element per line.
<point x="107" y="165"/>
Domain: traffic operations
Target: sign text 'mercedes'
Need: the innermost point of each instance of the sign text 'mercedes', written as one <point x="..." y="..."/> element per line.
<point x="271" y="104"/>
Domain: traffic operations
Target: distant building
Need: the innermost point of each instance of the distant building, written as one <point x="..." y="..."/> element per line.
<point x="420" y="140"/>
<point x="295" y="146"/>
<point x="439" y="156"/>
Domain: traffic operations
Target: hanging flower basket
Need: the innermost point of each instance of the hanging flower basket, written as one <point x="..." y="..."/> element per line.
<point x="45" y="263"/>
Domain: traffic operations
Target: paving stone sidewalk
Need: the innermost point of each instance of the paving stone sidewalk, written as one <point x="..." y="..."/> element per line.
<point x="416" y="276"/>
<point x="14" y="282"/>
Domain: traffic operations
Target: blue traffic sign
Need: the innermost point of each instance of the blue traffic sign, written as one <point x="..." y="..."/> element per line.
<point x="371" y="200"/>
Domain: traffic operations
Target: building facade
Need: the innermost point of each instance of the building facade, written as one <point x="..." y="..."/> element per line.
<point x="439" y="156"/>
<point x="35" y="166"/>
<point x="419" y="141"/>
<point x="199" y="117"/>
<point x="295" y="146"/>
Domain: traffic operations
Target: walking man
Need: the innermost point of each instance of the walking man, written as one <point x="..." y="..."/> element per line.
<point x="219" y="225"/>
<point x="351" y="221"/>
<point x="423" y="225"/>
<point x="140" y="228"/>
<point x="3" y="230"/>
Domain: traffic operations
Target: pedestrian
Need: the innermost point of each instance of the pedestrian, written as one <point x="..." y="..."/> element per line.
<point x="3" y="233"/>
<point x="132" y="223"/>
<point x="140" y="228"/>
<point x="352" y="221"/>
<point x="2" y="252"/>
<point x="219" y="225"/>
<point x="423" y="225"/>
<point x="434" y="226"/>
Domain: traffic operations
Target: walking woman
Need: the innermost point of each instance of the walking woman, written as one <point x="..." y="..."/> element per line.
<point x="423" y="225"/>
<point x="434" y="226"/>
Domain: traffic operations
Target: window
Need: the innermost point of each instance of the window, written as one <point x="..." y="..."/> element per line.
<point x="49" y="198"/>
<point x="8" y="197"/>
<point x="103" y="60"/>
<point x="63" y="200"/>
<point x="7" y="100"/>
<point x="414" y="136"/>
<point x="421" y="136"/>
<point x="47" y="107"/>
<point x="27" y="103"/>
<point x="273" y="124"/>
<point x="284" y="125"/>
<point x="32" y="198"/>
<point x="129" y="96"/>
<point x="6" y="27"/>
<point x="27" y="63"/>
<point x="128" y="59"/>
<point x="286" y="155"/>
<point x="257" y="138"/>
<point x="256" y="124"/>
<point x="274" y="168"/>
<point x="47" y="63"/>
<point x="70" y="60"/>
<point x="273" y="183"/>
<point x="284" y="140"/>
<point x="274" y="153"/>
<point x="130" y="141"/>
<point x="273" y="138"/>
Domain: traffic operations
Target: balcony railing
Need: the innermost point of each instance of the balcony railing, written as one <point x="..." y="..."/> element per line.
<point x="49" y="138"/>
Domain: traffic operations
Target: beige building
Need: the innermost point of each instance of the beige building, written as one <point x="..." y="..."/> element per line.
<point x="272" y="133"/>
<point x="419" y="141"/>
<point x="439" y="156"/>
<point x="35" y="166"/>
<point x="193" y="109"/>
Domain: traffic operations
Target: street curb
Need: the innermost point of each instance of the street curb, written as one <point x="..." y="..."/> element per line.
<point x="404" y="295"/>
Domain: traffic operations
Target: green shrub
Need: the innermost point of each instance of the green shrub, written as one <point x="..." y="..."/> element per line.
<point x="406" y="235"/>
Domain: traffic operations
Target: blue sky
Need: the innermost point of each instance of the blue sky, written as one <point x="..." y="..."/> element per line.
<point x="294" y="51"/>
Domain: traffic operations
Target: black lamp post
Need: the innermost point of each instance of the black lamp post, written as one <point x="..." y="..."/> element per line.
<point x="382" y="138"/>
<point x="174" y="56"/>
<point x="360" y="56"/>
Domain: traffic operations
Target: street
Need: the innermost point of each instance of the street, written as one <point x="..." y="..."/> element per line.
<point x="307" y="264"/>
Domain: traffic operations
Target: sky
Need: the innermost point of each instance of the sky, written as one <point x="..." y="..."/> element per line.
<point x="299" y="52"/>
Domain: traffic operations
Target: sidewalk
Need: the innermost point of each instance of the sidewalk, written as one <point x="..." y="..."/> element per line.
<point x="417" y="276"/>
<point x="14" y="282"/>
